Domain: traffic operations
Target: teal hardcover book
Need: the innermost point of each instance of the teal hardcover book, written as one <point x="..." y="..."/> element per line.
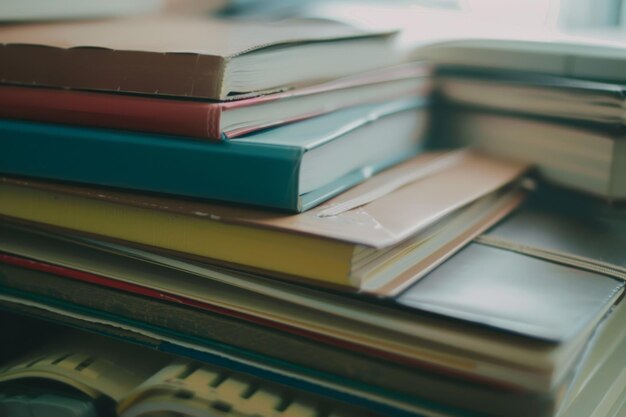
<point x="293" y="167"/>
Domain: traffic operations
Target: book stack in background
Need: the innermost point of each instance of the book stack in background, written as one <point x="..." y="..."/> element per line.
<point x="260" y="201"/>
<point x="571" y="129"/>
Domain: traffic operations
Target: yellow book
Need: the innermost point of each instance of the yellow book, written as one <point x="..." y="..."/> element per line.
<point x="378" y="237"/>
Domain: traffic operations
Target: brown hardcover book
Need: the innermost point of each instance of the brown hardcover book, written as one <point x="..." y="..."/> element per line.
<point x="186" y="56"/>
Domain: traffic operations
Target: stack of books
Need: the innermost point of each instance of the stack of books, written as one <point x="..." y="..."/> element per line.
<point x="161" y="99"/>
<point x="571" y="129"/>
<point x="259" y="201"/>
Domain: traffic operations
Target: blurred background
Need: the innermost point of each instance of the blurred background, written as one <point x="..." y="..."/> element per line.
<point x="544" y="13"/>
<point x="561" y="14"/>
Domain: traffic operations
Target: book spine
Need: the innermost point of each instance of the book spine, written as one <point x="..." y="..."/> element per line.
<point x="239" y="172"/>
<point x="116" y="111"/>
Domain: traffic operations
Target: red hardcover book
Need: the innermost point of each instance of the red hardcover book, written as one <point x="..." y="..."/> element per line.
<point x="209" y="119"/>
